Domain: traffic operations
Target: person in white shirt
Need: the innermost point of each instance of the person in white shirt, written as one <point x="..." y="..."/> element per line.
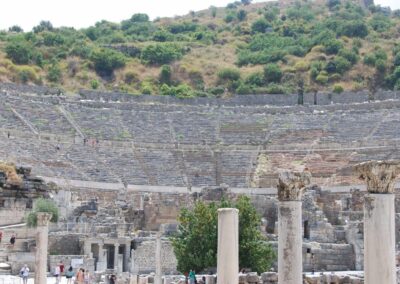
<point x="57" y="273"/>
<point x="24" y="272"/>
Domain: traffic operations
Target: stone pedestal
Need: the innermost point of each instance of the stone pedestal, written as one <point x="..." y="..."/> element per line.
<point x="228" y="246"/>
<point x="290" y="258"/>
<point x="379" y="221"/>
<point x="42" y="237"/>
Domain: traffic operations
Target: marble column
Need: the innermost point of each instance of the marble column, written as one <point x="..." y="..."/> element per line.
<point x="116" y="248"/>
<point x="158" y="277"/>
<point x="42" y="237"/>
<point x="228" y="246"/>
<point x="290" y="241"/>
<point x="379" y="220"/>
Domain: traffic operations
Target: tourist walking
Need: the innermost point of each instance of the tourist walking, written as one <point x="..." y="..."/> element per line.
<point x="80" y="276"/>
<point x="57" y="273"/>
<point x="62" y="268"/>
<point x="192" y="277"/>
<point x="24" y="273"/>
<point x="69" y="274"/>
<point x="113" y="279"/>
<point x="12" y="240"/>
<point x="87" y="277"/>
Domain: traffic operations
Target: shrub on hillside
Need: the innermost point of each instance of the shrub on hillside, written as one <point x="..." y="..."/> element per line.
<point x="19" y="51"/>
<point x="107" y="60"/>
<point x="332" y="46"/>
<point x="355" y="28"/>
<point x="228" y="74"/>
<point x="54" y="73"/>
<point x="165" y="74"/>
<point x="255" y="79"/>
<point x="272" y="73"/>
<point x="337" y="89"/>
<point x="241" y="15"/>
<point x="162" y="53"/>
<point x="260" y="26"/>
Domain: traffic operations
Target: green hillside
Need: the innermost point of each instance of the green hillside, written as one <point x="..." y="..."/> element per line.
<point x="243" y="48"/>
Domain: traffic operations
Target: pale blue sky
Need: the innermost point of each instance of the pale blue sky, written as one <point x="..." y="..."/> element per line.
<point x="84" y="13"/>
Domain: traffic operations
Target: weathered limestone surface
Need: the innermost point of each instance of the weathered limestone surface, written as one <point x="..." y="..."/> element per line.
<point x="228" y="246"/>
<point x="290" y="260"/>
<point x="41" y="247"/>
<point x="379" y="220"/>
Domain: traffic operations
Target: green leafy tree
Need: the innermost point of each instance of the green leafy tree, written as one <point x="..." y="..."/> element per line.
<point x="195" y="244"/>
<point x="107" y="60"/>
<point x="15" y="29"/>
<point x="19" y="51"/>
<point x="43" y="26"/>
<point x="42" y="205"/>
<point x="272" y="73"/>
<point x="162" y="53"/>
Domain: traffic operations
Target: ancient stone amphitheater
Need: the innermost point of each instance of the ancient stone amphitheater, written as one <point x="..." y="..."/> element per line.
<point x="126" y="164"/>
<point x="158" y="141"/>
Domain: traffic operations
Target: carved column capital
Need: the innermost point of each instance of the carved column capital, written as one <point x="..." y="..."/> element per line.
<point x="292" y="184"/>
<point x="379" y="175"/>
<point x="43" y="218"/>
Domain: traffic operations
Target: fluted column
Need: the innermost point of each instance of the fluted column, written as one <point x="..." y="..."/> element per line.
<point x="116" y="249"/>
<point x="42" y="236"/>
<point x="379" y="220"/>
<point x="290" y="259"/>
<point x="228" y="246"/>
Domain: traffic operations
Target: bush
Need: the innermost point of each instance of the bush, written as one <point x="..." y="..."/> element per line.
<point x="380" y="66"/>
<point x="322" y="78"/>
<point x="342" y="64"/>
<point x="369" y="59"/>
<point x="350" y="55"/>
<point x="302" y="65"/>
<point x="255" y="79"/>
<point x="107" y="60"/>
<point x="162" y="53"/>
<point x="355" y="28"/>
<point x="244" y="89"/>
<point x="230" y="17"/>
<point x="165" y="74"/>
<point x="27" y="74"/>
<point x="332" y="46"/>
<point x="54" y="73"/>
<point x="241" y="15"/>
<point x="338" y="89"/>
<point x="20" y="52"/>
<point x="228" y="74"/>
<point x="272" y="73"/>
<point x="42" y="205"/>
<point x="180" y="91"/>
<point x="94" y="84"/>
<point x="260" y="26"/>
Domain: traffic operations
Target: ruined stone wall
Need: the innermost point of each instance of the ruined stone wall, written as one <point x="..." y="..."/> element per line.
<point x="144" y="257"/>
<point x="64" y="244"/>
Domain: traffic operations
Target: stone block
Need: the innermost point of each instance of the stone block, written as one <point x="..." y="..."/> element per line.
<point x="252" y="277"/>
